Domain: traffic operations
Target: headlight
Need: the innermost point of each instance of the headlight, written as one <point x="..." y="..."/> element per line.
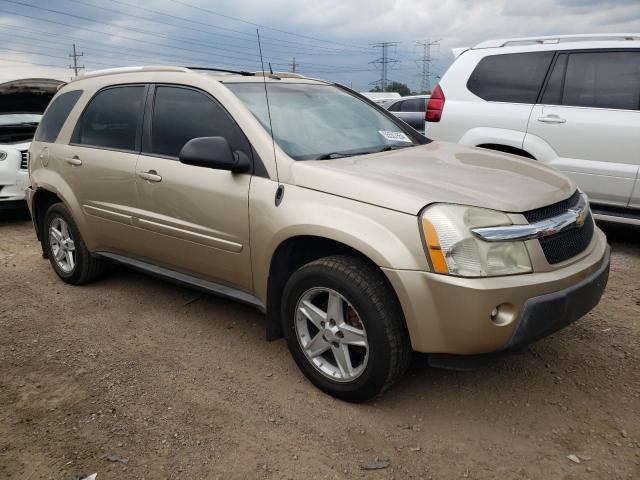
<point x="3" y="155"/>
<point x="454" y="250"/>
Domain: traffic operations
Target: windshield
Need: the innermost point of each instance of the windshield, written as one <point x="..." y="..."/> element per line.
<point x="19" y="118"/>
<point x="322" y="121"/>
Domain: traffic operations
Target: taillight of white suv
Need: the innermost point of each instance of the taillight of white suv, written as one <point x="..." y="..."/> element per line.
<point x="435" y="105"/>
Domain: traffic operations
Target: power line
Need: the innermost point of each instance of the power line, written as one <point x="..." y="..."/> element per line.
<point x="75" y="56"/>
<point x="267" y="27"/>
<point x="384" y="61"/>
<point x="141" y="31"/>
<point x="207" y="32"/>
<point x="426" y="60"/>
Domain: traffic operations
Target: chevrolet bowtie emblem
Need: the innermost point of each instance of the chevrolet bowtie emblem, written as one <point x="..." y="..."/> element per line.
<point x="581" y="216"/>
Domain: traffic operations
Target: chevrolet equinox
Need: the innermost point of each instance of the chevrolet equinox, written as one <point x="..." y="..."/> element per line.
<point x="361" y="240"/>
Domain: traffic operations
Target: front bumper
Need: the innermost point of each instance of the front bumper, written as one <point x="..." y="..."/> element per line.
<point x="453" y="315"/>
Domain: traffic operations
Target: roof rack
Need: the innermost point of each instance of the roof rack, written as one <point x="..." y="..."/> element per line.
<point x="505" y="42"/>
<point x="278" y="74"/>
<point x="221" y="70"/>
<point x="115" y="71"/>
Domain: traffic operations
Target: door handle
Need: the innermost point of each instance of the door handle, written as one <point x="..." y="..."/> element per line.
<point x="551" y="119"/>
<point x="75" y="161"/>
<point x="151" y="176"/>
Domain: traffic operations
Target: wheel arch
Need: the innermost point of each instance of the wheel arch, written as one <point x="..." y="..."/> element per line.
<point x="507" y="149"/>
<point x="291" y="254"/>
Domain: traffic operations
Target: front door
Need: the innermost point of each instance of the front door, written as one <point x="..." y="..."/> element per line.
<point x="198" y="217"/>
<point x="590" y="117"/>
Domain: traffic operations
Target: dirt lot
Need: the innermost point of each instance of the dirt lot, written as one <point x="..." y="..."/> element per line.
<point x="132" y="377"/>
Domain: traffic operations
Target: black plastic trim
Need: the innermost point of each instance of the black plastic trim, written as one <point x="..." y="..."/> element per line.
<point x="185" y="279"/>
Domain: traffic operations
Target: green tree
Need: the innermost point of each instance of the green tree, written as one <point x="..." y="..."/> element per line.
<point x="401" y="88"/>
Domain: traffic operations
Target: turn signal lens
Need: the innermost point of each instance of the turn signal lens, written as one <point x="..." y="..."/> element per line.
<point x="433" y="246"/>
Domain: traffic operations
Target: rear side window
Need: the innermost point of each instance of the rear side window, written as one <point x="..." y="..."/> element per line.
<point x="603" y="80"/>
<point x="512" y="77"/>
<point x="55" y="116"/>
<point x="111" y="119"/>
<point x="413" y="105"/>
<point x="180" y="114"/>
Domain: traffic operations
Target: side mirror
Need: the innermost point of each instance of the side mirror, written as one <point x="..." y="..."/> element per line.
<point x="213" y="152"/>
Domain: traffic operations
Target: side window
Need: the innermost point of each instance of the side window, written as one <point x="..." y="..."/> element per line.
<point x="55" y="116"/>
<point x="413" y="105"/>
<point x="111" y="119"/>
<point x="511" y="77"/>
<point x="180" y="114"/>
<point x="396" y="107"/>
<point x="553" y="93"/>
<point x="603" y="80"/>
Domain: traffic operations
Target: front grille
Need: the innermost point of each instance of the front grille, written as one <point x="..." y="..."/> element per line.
<point x="24" y="160"/>
<point x="552" y="210"/>
<point x="564" y="245"/>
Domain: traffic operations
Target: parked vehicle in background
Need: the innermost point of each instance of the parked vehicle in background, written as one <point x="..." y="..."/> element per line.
<point x="380" y="97"/>
<point x="21" y="105"/>
<point x="572" y="102"/>
<point x="410" y="110"/>
<point x="359" y="247"/>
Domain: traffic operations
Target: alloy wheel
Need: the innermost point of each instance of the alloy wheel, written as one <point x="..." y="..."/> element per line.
<point x="331" y="334"/>
<point x="62" y="245"/>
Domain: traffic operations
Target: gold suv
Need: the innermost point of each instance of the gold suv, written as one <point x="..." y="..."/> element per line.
<point x="360" y="239"/>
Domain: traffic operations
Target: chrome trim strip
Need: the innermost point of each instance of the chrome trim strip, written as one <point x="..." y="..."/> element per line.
<point x="573" y="218"/>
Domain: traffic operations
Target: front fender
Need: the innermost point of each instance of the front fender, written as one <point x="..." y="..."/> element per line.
<point x="387" y="237"/>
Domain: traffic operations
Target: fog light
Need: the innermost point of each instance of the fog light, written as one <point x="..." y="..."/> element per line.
<point x="503" y="314"/>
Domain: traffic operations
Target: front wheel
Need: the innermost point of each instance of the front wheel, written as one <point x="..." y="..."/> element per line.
<point x="344" y="327"/>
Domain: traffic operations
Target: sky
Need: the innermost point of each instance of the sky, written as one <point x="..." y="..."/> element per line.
<point x="330" y="39"/>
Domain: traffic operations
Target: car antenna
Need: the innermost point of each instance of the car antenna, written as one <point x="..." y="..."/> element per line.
<point x="280" y="190"/>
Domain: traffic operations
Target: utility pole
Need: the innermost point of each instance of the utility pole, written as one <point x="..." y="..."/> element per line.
<point x="293" y="65"/>
<point x="426" y="60"/>
<point x="76" y="68"/>
<point x="384" y="61"/>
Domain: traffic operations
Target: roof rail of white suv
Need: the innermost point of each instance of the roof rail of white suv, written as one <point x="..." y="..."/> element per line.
<point x="507" y="42"/>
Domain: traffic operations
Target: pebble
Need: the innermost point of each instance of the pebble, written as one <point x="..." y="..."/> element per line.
<point x="573" y="458"/>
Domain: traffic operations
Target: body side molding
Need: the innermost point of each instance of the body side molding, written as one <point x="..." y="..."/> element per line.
<point x="185" y="279"/>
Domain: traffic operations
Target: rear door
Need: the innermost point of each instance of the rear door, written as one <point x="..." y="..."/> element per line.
<point x="508" y="85"/>
<point x="589" y="115"/>
<point x="198" y="217"/>
<point x="99" y="165"/>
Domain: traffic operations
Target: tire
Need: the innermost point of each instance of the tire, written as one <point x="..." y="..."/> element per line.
<point x="365" y="300"/>
<point x="84" y="267"/>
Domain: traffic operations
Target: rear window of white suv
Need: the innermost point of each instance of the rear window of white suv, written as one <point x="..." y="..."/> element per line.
<point x="511" y="77"/>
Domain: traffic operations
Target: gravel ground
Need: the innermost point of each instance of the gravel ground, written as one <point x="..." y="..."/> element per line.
<point x="131" y="377"/>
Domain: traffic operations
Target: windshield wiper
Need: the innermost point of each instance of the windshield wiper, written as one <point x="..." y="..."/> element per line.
<point x="331" y="156"/>
<point x="387" y="148"/>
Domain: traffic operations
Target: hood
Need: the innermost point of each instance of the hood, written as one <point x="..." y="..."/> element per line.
<point x="409" y="179"/>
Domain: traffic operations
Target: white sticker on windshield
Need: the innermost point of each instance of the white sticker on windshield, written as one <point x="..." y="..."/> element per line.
<point x="394" y="136"/>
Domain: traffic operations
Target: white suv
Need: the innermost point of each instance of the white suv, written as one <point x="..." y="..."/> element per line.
<point x="571" y="101"/>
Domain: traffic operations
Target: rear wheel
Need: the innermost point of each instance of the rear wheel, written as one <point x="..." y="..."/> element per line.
<point x="344" y="327"/>
<point x="65" y="248"/>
